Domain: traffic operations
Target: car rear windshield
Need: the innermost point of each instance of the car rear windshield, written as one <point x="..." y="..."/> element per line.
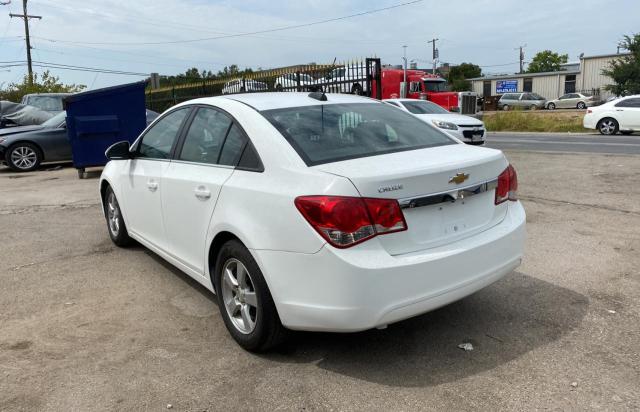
<point x="423" y="107"/>
<point x="333" y="132"/>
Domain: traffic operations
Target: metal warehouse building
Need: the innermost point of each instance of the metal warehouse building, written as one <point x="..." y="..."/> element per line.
<point x="585" y="76"/>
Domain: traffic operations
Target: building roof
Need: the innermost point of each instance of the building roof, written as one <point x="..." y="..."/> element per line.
<point x="521" y="75"/>
<point x="600" y="56"/>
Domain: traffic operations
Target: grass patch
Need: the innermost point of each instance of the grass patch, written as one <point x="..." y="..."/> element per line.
<point x="534" y="121"/>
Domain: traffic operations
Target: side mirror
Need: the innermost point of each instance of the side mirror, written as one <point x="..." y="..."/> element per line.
<point x="119" y="151"/>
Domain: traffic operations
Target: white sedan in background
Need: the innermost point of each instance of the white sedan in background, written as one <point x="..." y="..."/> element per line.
<point x="314" y="212"/>
<point x="465" y="128"/>
<point x="619" y="115"/>
<point x="289" y="82"/>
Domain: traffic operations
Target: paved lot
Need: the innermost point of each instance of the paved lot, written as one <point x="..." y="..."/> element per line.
<point x="565" y="142"/>
<point x="87" y="326"/>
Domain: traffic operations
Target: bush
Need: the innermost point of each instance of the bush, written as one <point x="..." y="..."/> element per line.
<point x="534" y="121"/>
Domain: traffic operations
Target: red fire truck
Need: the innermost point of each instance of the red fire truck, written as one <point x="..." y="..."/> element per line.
<point x="426" y="86"/>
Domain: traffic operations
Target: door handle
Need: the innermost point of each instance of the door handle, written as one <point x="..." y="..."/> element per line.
<point x="202" y="193"/>
<point x="152" y="185"/>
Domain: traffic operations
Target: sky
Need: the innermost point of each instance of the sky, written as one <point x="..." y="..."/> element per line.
<point x="484" y="32"/>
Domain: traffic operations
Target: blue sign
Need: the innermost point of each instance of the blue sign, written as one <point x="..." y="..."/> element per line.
<point x="506" y="86"/>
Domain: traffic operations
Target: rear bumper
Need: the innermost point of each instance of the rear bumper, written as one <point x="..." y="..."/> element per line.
<point x="589" y="122"/>
<point x="347" y="290"/>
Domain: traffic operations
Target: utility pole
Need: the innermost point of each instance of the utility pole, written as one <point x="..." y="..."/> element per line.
<point x="435" y="54"/>
<point x="521" y="57"/>
<point x="403" y="93"/>
<point x="25" y="16"/>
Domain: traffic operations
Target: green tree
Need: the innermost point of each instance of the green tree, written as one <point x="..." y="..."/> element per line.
<point x="546" y="61"/>
<point x="46" y="83"/>
<point x="625" y="71"/>
<point x="459" y="74"/>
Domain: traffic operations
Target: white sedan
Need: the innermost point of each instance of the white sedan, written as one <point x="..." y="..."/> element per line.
<point x="619" y="115"/>
<point x="465" y="128"/>
<point x="314" y="212"/>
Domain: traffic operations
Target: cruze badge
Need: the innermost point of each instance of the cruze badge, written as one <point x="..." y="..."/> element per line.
<point x="391" y="188"/>
<point x="459" y="178"/>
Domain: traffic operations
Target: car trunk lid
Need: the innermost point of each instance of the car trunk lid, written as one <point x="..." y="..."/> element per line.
<point x="447" y="192"/>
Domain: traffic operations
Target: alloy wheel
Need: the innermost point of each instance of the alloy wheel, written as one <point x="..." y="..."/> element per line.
<point x="24" y="157"/>
<point x="607" y="127"/>
<point x="239" y="296"/>
<point x="113" y="214"/>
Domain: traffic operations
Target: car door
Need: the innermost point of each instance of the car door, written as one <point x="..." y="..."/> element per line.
<point x="204" y="160"/>
<point x="627" y="112"/>
<point x="142" y="183"/>
<point x="562" y="102"/>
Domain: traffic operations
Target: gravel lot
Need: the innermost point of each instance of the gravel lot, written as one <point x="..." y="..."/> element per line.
<point x="88" y="326"/>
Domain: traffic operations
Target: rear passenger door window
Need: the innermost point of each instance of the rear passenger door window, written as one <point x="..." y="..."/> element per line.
<point x="205" y="137"/>
<point x="233" y="146"/>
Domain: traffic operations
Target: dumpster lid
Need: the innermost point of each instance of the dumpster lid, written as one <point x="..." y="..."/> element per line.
<point x="106" y="91"/>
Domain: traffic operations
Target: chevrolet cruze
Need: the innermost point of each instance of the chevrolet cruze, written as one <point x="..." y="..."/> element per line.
<point x="314" y="212"/>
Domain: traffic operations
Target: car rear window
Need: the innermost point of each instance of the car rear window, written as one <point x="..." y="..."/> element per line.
<point x="333" y="132"/>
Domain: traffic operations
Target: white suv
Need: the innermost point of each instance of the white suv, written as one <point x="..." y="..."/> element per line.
<point x="619" y="115"/>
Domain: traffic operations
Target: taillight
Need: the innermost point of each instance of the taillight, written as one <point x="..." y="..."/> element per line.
<point x="507" y="186"/>
<point x="346" y="221"/>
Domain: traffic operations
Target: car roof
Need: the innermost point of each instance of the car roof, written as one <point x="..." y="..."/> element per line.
<point x="279" y="100"/>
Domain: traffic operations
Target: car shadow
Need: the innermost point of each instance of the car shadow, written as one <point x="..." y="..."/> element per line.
<point x="502" y="322"/>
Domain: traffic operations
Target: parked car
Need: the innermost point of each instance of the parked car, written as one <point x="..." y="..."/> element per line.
<point x="346" y="79"/>
<point x="314" y="212"/>
<point x="531" y="101"/>
<point x="465" y="128"/>
<point x="572" y="101"/>
<point x="289" y="82"/>
<point x="24" y="148"/>
<point x="50" y="102"/>
<point x="620" y="115"/>
<point x="238" y="86"/>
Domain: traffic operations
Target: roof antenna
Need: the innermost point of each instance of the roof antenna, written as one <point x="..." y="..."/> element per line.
<point x="322" y="94"/>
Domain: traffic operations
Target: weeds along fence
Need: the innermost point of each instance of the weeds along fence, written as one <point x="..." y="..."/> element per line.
<point x="357" y="77"/>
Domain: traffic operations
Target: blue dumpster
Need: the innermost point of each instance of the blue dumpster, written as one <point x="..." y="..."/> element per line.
<point x="99" y="118"/>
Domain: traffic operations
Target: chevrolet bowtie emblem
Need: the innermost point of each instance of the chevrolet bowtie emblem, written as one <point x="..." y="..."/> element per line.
<point x="459" y="178"/>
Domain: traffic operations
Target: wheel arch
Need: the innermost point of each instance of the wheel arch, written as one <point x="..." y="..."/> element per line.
<point x="216" y="244"/>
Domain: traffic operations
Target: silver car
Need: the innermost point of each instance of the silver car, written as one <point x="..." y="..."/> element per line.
<point x="572" y="101"/>
<point x="525" y="100"/>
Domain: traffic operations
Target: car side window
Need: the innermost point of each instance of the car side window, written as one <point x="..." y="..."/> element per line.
<point x="233" y="146"/>
<point x="635" y="102"/>
<point x="158" y="141"/>
<point x="205" y="137"/>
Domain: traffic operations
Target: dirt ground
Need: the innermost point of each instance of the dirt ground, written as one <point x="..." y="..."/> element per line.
<point x="85" y="325"/>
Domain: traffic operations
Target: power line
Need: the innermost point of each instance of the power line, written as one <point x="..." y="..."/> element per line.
<point x="295" y="26"/>
<point x="52" y="65"/>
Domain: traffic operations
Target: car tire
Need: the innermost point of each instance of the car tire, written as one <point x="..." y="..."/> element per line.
<point x="115" y="221"/>
<point x="278" y="87"/>
<point x="551" y="106"/>
<point x="581" y="106"/>
<point x="533" y="107"/>
<point x="505" y="107"/>
<point x="608" y="126"/>
<point x="356" y="89"/>
<point x="245" y="302"/>
<point x="23" y="157"/>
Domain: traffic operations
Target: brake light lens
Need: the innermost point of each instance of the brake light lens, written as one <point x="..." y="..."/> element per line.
<point x="507" y="186"/>
<point x="346" y="221"/>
